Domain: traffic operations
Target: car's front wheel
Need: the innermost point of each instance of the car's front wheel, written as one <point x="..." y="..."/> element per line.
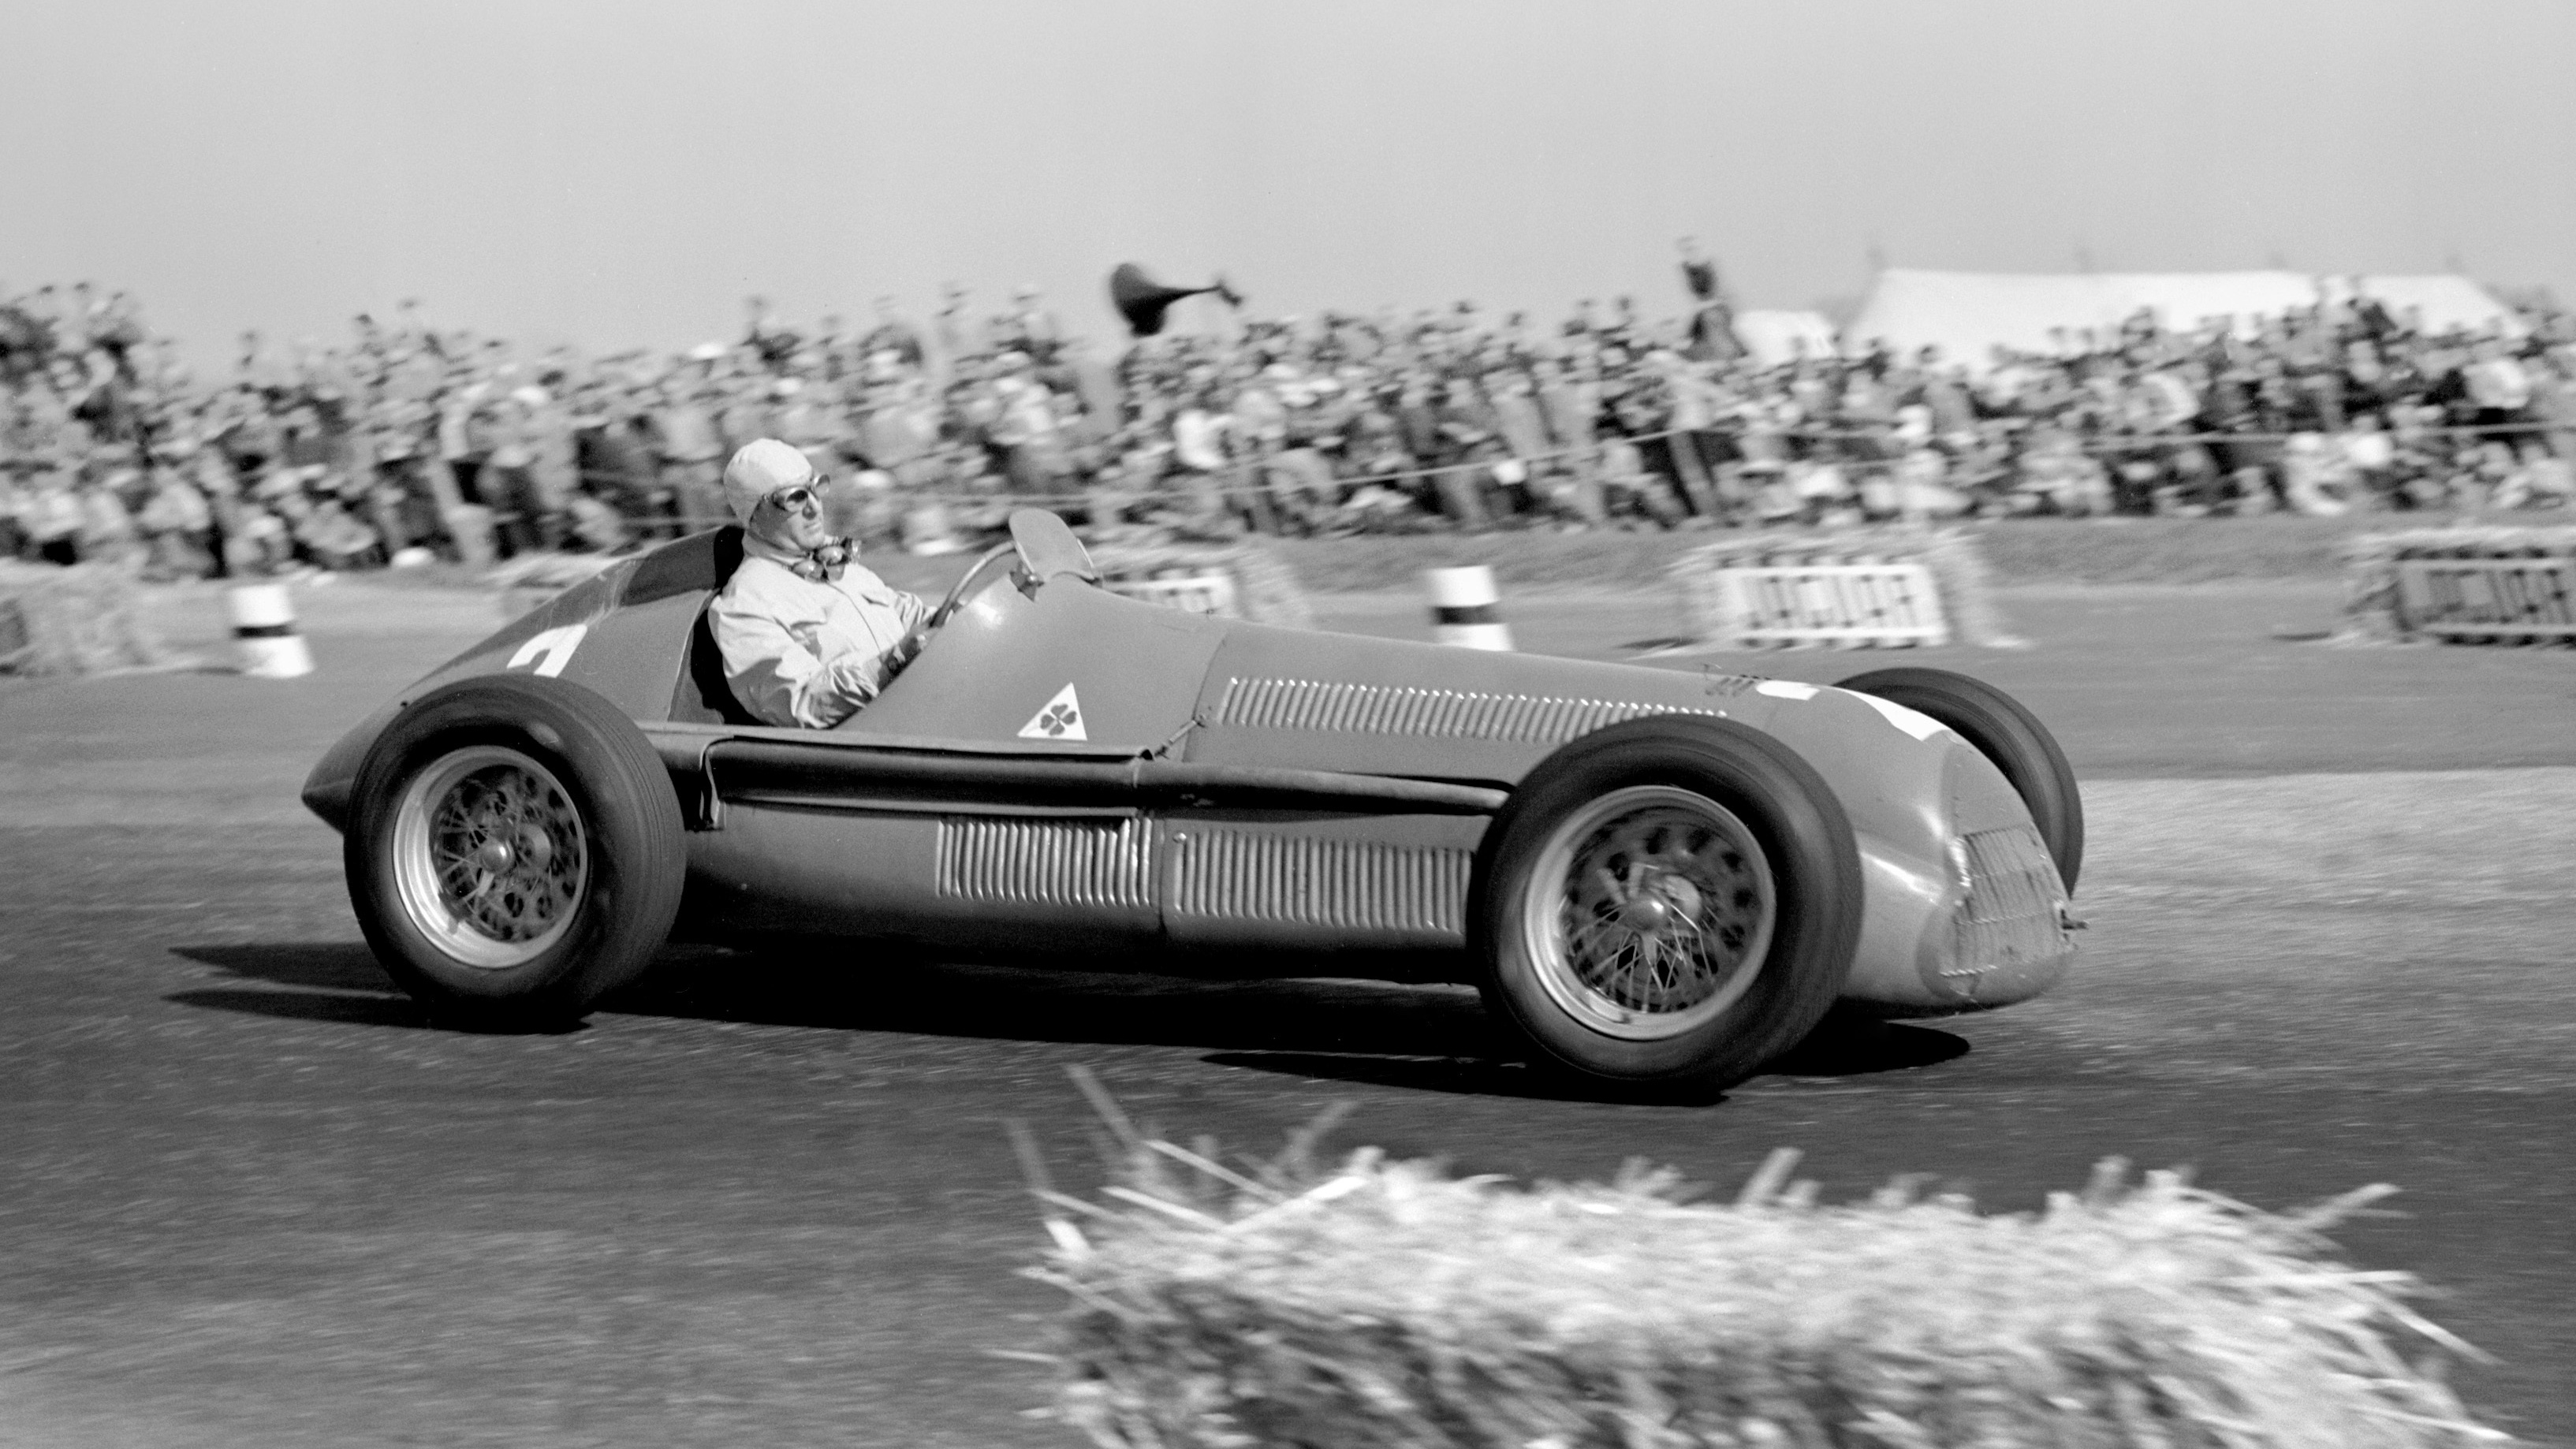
<point x="1673" y="900"/>
<point x="514" y="850"/>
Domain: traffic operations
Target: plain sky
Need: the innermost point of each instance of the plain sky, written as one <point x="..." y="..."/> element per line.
<point x="623" y="172"/>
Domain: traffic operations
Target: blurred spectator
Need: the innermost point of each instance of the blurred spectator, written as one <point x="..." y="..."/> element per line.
<point x="51" y="519"/>
<point x="1712" y="322"/>
<point x="410" y="437"/>
<point x="692" y="451"/>
<point x="176" y="524"/>
<point x="894" y="340"/>
<point x="960" y="336"/>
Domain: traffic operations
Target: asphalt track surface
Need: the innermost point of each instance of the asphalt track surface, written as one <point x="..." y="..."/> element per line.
<point x="251" y="1198"/>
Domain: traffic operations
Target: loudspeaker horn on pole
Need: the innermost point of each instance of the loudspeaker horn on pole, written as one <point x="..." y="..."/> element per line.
<point x="1142" y="300"/>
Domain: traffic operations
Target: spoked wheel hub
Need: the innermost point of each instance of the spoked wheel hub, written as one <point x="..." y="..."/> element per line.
<point x="491" y="858"/>
<point x="1651" y="910"/>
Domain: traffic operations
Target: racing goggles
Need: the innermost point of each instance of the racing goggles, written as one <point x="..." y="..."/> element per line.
<point x="798" y="497"/>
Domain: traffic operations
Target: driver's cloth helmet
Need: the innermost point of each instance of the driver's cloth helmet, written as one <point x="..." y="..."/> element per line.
<point x="759" y="468"/>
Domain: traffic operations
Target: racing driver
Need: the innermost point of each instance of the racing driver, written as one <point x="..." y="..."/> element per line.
<point x="808" y="636"/>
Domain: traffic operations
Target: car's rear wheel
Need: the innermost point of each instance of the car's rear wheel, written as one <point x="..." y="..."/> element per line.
<point x="514" y="850"/>
<point x="1673" y="900"/>
<point x="2002" y="729"/>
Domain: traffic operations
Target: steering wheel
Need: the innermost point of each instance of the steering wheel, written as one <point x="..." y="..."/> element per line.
<point x="1046" y="549"/>
<point x="965" y="583"/>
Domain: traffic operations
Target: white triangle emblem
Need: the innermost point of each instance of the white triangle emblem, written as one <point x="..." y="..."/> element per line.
<point x="1060" y="720"/>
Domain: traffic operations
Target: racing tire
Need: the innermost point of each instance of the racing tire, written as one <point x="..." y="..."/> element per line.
<point x="2004" y="732"/>
<point x="1669" y="902"/>
<point x="514" y="852"/>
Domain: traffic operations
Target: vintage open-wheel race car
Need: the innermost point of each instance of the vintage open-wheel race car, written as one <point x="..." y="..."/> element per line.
<point x="1653" y="875"/>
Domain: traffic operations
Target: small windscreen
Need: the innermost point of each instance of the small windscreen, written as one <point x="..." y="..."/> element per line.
<point x="1048" y="548"/>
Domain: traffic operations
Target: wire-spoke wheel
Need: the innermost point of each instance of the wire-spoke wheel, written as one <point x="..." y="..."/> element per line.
<point x="514" y="850"/>
<point x="1662" y="909"/>
<point x="1671" y="900"/>
<point x="490" y="856"/>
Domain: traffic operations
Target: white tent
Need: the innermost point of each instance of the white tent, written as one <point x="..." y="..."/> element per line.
<point x="1967" y="314"/>
<point x="1777" y="337"/>
<point x="2436" y="302"/>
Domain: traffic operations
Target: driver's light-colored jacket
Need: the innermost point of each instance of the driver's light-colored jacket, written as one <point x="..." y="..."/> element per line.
<point x="799" y="652"/>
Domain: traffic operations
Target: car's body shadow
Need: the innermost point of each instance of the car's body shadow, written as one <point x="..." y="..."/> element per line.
<point x="351" y="1008"/>
<point x="1844" y="1046"/>
<point x="900" y="992"/>
<point x="1425" y="1038"/>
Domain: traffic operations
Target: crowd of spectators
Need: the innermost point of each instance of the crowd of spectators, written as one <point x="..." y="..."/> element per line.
<point x="406" y="441"/>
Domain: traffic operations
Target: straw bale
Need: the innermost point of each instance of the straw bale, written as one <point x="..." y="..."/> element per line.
<point x="1387" y="1304"/>
<point x="82" y="619"/>
<point x="1958" y="570"/>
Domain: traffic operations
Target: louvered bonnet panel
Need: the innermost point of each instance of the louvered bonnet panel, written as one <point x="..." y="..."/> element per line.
<point x="1316" y="705"/>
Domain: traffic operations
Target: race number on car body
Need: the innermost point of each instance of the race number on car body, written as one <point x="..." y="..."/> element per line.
<point x="552" y="649"/>
<point x="1061" y="719"/>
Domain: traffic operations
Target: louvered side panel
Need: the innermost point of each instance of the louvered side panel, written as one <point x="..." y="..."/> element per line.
<point x="1047" y="862"/>
<point x="1344" y="884"/>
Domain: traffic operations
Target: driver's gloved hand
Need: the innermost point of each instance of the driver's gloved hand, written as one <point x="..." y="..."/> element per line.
<point x="855" y="678"/>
